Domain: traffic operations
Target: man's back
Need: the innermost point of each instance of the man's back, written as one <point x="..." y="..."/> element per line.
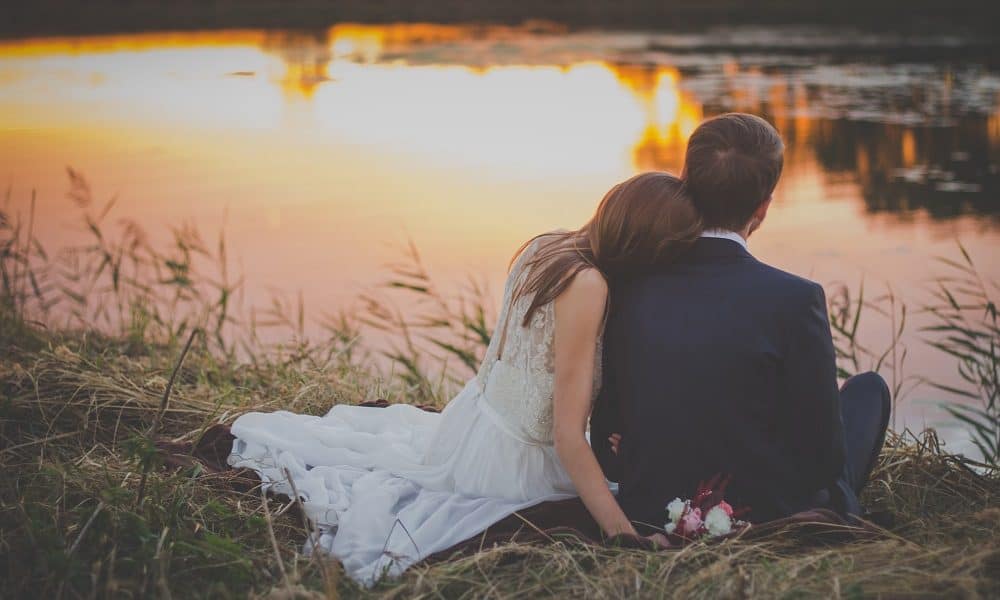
<point x="719" y="364"/>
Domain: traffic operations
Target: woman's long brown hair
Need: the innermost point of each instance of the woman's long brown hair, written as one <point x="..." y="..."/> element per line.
<point x="640" y="224"/>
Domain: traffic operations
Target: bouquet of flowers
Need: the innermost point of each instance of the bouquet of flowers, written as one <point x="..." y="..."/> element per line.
<point x="706" y="514"/>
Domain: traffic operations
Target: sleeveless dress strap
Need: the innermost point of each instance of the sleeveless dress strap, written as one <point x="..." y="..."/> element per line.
<point x="503" y="334"/>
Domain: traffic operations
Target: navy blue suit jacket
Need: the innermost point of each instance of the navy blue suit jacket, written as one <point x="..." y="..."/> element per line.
<point x="719" y="363"/>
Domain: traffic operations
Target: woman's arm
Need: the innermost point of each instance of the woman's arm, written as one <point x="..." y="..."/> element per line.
<point x="579" y="316"/>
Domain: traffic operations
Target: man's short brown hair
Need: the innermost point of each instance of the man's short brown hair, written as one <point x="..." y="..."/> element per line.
<point x="732" y="164"/>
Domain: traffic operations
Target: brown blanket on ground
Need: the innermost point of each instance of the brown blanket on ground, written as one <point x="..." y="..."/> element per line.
<point x="547" y="522"/>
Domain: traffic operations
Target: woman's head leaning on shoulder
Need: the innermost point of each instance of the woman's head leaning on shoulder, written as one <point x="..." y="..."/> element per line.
<point x="641" y="223"/>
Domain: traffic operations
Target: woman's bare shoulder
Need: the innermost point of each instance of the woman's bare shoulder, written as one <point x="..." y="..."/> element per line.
<point x="588" y="288"/>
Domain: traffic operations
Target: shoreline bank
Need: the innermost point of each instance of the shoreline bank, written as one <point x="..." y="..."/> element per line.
<point x="65" y="17"/>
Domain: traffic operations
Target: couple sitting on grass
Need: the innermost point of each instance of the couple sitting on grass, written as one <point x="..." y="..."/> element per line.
<point x="655" y="325"/>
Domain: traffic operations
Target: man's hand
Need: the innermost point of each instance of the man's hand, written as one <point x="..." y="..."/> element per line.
<point x="615" y="439"/>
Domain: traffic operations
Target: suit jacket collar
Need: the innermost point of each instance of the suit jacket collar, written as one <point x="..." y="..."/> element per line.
<point x="710" y="249"/>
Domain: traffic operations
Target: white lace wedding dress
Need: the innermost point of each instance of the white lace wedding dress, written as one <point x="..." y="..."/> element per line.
<point x="390" y="486"/>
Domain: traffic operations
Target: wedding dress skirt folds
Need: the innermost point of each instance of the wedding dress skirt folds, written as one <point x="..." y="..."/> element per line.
<point x="387" y="487"/>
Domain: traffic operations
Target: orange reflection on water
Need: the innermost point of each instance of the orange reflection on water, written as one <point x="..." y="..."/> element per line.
<point x="304" y="54"/>
<point x="368" y="42"/>
<point x="909" y="149"/>
<point x="238" y="116"/>
<point x="802" y="122"/>
<point x="527" y="121"/>
<point x="607" y="111"/>
<point x="132" y="42"/>
<point x="320" y="147"/>
<point x="670" y="115"/>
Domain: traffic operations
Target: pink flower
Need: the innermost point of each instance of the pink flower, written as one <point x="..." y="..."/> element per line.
<point x="725" y="506"/>
<point x="690" y="523"/>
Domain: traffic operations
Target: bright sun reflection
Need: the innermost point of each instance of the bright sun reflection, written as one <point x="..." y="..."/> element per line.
<point x="527" y="119"/>
<point x="531" y="120"/>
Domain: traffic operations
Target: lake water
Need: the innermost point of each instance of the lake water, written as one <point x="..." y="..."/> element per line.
<point x="322" y="153"/>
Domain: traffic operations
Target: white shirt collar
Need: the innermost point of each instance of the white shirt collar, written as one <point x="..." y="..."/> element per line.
<point x="725" y="234"/>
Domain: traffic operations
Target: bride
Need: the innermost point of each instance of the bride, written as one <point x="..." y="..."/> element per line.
<point x="387" y="487"/>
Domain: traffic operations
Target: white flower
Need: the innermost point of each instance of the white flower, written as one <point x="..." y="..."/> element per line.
<point x="718" y="522"/>
<point x="675" y="510"/>
<point x="669" y="528"/>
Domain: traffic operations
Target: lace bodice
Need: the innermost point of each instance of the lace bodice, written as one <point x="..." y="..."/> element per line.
<point x="518" y="379"/>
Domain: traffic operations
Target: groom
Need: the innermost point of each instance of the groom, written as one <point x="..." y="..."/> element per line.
<point x="721" y="364"/>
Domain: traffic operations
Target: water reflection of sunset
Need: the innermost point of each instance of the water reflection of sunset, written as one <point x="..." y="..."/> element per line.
<point x="670" y="115"/>
<point x="578" y="116"/>
<point x="368" y="42"/>
<point x="533" y="120"/>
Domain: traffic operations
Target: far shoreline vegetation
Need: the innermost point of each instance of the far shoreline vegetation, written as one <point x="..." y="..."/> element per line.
<point x="67" y="17"/>
<point x="148" y="346"/>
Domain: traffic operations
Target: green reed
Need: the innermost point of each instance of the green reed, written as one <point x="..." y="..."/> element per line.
<point x="116" y="283"/>
<point x="439" y="341"/>
<point x="967" y="330"/>
<point x="848" y="309"/>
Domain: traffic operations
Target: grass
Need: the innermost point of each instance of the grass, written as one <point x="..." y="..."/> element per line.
<point x="108" y="345"/>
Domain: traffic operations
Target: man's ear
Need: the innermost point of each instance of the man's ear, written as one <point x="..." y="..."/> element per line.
<point x="761" y="213"/>
<point x="758" y="217"/>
